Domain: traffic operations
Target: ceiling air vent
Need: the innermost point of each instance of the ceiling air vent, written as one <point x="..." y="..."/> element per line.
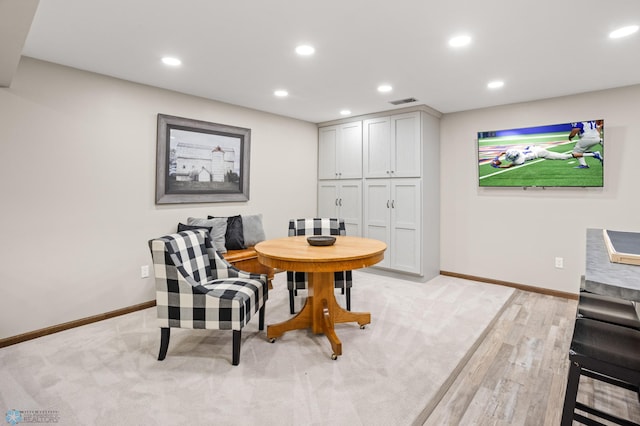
<point x="403" y="101"/>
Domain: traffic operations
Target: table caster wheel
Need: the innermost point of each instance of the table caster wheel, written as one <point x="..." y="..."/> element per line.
<point x="334" y="357"/>
<point x="362" y="327"/>
<point x="272" y="340"/>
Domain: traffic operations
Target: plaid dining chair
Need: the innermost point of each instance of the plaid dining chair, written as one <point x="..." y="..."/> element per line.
<point x="317" y="226"/>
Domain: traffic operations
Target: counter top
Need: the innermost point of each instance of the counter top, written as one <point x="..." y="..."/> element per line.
<point x="605" y="277"/>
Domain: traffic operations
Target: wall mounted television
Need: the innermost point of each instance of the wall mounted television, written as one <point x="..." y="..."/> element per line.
<point x="556" y="155"/>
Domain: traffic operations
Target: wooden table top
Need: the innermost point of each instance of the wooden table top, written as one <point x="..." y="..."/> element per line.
<point x="296" y="254"/>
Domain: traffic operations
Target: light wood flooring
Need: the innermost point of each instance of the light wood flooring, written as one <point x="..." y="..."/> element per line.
<point x="518" y="374"/>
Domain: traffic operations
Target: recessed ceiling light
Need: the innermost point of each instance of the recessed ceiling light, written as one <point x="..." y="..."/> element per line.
<point x="345" y="112"/>
<point x="460" y="41"/>
<point x="168" y="60"/>
<point x="281" y="93"/>
<point x="623" y="32"/>
<point x="495" y="84"/>
<point x="384" y="88"/>
<point x="305" y="50"/>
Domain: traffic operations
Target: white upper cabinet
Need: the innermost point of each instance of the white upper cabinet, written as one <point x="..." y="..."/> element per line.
<point x="406" y="145"/>
<point x="340" y="151"/>
<point x="377" y="147"/>
<point x="393" y="146"/>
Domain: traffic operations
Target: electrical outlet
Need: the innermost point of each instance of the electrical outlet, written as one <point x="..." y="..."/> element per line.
<point x="559" y="262"/>
<point x="144" y="271"/>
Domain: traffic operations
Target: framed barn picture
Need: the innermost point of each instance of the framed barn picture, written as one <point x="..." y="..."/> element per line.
<point x="201" y="162"/>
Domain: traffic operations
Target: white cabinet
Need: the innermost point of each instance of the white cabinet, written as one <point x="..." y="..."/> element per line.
<point x="392" y="146"/>
<point x="342" y="199"/>
<point x="393" y="214"/>
<point x="376" y="136"/>
<point x="390" y="191"/>
<point x="340" y="151"/>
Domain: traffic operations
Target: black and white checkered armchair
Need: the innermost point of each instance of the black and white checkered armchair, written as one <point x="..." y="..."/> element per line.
<point x="196" y="288"/>
<point x="317" y="226"/>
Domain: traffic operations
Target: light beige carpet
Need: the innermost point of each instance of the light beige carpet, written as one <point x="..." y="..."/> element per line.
<point x="390" y="373"/>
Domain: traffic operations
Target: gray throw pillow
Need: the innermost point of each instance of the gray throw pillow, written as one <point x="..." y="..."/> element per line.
<point x="252" y="229"/>
<point x="218" y="228"/>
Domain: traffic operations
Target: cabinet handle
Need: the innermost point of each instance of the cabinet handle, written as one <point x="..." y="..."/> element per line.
<point x="393" y="204"/>
<point x="340" y="202"/>
<point x="387" y="203"/>
<point x="336" y="201"/>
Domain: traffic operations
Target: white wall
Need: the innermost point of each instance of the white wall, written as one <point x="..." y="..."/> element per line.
<point x="515" y="234"/>
<point x="78" y="188"/>
<point x="78" y="184"/>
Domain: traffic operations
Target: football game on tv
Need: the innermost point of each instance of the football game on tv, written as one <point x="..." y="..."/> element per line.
<point x="557" y="155"/>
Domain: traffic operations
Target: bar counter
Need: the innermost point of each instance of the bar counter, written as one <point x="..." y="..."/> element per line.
<point x="608" y="278"/>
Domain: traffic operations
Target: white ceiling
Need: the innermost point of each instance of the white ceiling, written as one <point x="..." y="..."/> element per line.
<point x="240" y="51"/>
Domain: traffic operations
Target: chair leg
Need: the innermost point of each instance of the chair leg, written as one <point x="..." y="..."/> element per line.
<point x="237" y="335"/>
<point x="291" y="302"/>
<point x="571" y="393"/>
<point x="261" y="318"/>
<point x="164" y="342"/>
<point x="348" y="298"/>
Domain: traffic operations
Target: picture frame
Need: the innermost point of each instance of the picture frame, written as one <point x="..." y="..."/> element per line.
<point x="201" y="162"/>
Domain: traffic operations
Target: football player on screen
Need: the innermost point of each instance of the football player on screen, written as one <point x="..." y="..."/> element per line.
<point x="517" y="157"/>
<point x="589" y="134"/>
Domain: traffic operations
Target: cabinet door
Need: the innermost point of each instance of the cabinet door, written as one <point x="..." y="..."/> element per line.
<point x="377" y="214"/>
<point x="350" y="206"/>
<point x="406" y="145"/>
<point x="377" y="147"/>
<point x="349" y="151"/>
<point x="327" y="139"/>
<point x="328" y="199"/>
<point x="406" y="253"/>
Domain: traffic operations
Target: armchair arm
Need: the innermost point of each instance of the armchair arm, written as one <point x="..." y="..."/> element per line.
<point x="169" y="270"/>
<point x="184" y="277"/>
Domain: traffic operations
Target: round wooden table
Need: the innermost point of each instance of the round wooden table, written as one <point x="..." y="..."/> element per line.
<point x="321" y="310"/>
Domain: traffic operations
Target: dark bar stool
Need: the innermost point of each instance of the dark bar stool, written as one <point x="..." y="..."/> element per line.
<point x="608" y="309"/>
<point x="605" y="352"/>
